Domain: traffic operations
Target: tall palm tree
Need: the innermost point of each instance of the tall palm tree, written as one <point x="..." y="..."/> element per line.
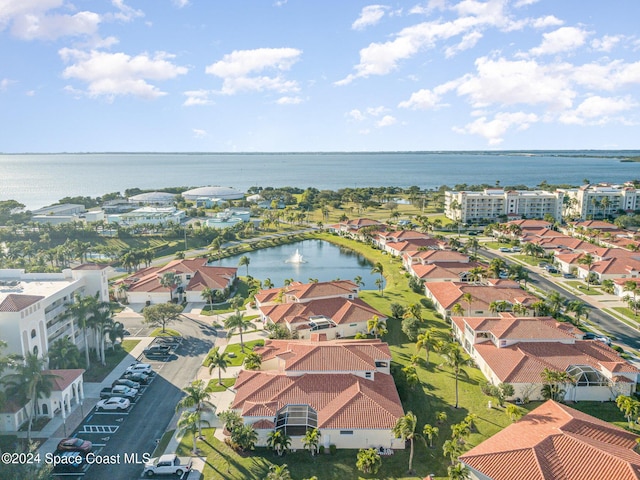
<point x="457" y="310"/>
<point x="455" y="359"/>
<point x="63" y="353"/>
<point x="171" y="281"/>
<point x="238" y="322"/>
<point x="588" y="260"/>
<point x="458" y="472"/>
<point x="114" y="331"/>
<point x="191" y="422"/>
<point x="427" y="340"/>
<point x="380" y="284"/>
<point x="100" y="318"/>
<point x="196" y="395"/>
<point x="208" y="294"/>
<point x="30" y="382"/>
<point x="405" y="428"/>
<point x="80" y="310"/>
<point x="555" y="301"/>
<point x="376" y="326"/>
<point x="358" y="281"/>
<point x="311" y="440"/>
<point x="378" y="268"/>
<point x="218" y="360"/>
<point x="468" y="298"/>
<point x="430" y="432"/>
<point x="244" y="260"/>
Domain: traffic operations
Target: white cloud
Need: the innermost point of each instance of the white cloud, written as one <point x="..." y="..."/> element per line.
<point x="548" y="21"/>
<point x="522" y="3"/>
<point x="427" y="8"/>
<point x="495" y="129"/>
<point x="181" y="3"/>
<point x="424" y="99"/>
<point x="468" y="41"/>
<point x="383" y="58"/>
<point x="386" y="121"/>
<point x="5" y="83"/>
<point x="51" y="27"/>
<point x="197" y="98"/>
<point x="608" y="77"/>
<point x="377" y="111"/>
<point x="356" y="115"/>
<point x="606" y="43"/>
<point x="125" y="13"/>
<point x="564" y="39"/>
<point x="597" y="110"/>
<point x="199" y="133"/>
<point x="235" y="69"/>
<point x="505" y="82"/>
<point x="114" y="74"/>
<point x="289" y="101"/>
<point x="369" y="16"/>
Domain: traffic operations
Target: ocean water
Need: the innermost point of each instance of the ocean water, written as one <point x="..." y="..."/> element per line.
<point x="42" y="179"/>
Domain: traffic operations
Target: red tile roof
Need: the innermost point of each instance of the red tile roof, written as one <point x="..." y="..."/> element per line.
<point x="448" y="294"/>
<point x="64" y="378"/>
<point x="556" y="442"/>
<point x="340" y="310"/>
<point x="15" y="302"/>
<point x="342" y="401"/>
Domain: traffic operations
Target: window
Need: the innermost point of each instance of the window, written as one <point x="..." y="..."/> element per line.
<point x="367" y="374"/>
<point x="346" y="432"/>
<point x="33" y="333"/>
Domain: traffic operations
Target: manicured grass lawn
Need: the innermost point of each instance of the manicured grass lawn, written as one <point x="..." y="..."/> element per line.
<point x="213" y="386"/>
<point x="236" y="349"/>
<point x="167" y="333"/>
<point x="98" y="372"/>
<point x="528" y="259"/>
<point x="583" y="288"/>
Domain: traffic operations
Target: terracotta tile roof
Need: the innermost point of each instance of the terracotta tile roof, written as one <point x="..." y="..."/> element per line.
<point x="263" y="424"/>
<point x="308" y="291"/>
<point x="268" y="295"/>
<point x="342" y="401"/>
<point x="340" y="310"/>
<point x="596" y="225"/>
<point x="449" y="293"/>
<point x="64" y="378"/>
<point x="413" y="245"/>
<point x="358" y="223"/>
<point x="431" y="256"/>
<point x="523" y="328"/>
<point x="335" y="355"/>
<point x="203" y="275"/>
<point x="524" y="362"/>
<point x="400" y="235"/>
<point x="444" y="270"/>
<point x="15" y="302"/>
<point x="555" y="442"/>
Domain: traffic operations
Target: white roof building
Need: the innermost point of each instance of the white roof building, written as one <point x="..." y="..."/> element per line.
<point x="224" y="193"/>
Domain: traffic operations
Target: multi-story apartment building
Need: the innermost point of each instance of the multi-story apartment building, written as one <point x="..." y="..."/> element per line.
<point x="33" y="306"/>
<point x="494" y="203"/>
<point x="601" y="200"/>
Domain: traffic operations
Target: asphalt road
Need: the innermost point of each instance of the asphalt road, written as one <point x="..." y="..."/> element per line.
<point x="618" y="330"/>
<point x="153" y="411"/>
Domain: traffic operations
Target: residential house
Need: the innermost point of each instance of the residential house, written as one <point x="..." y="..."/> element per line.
<point x="556" y="442"/>
<point x="192" y="277"/>
<point x="342" y="388"/>
<point x="303" y="292"/>
<point x="516" y="350"/>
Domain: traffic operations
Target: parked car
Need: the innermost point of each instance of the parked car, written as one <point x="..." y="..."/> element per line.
<point x="139" y="368"/>
<point x="139" y="377"/>
<point x="68" y="462"/>
<point x="605" y="340"/>
<point x="119" y="391"/>
<point x="127" y="383"/>
<point x="169" y="464"/>
<point x="589" y="336"/>
<point x="516" y="249"/>
<point x="505" y="250"/>
<point x="74" y="445"/>
<point x="568" y="275"/>
<point x="158" y="350"/>
<point x="113" y="403"/>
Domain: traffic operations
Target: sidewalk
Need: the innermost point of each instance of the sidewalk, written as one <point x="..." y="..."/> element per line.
<point x="55" y="429"/>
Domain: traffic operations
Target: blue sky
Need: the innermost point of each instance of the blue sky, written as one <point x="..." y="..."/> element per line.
<point x="330" y="75"/>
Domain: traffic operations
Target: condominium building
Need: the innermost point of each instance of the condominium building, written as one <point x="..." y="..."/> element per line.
<point x="33" y="306"/>
<point x="601" y="200"/>
<point x="494" y="203"/>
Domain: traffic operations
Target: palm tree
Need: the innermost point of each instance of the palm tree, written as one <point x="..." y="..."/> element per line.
<point x="378" y="268"/>
<point x="452" y="449"/>
<point x="629" y="407"/>
<point x="171" y="281"/>
<point x="311" y="440"/>
<point x="267" y="284"/>
<point x="430" y="432"/>
<point x="427" y="340"/>
<point x="380" y="284"/>
<point x="101" y="318"/>
<point x="458" y="472"/>
<point x="514" y="412"/>
<point x="114" y="331"/>
<point x="196" y="395"/>
<point x="579" y="309"/>
<point x="376" y="326"/>
<point x="278" y="472"/>
<point x="252" y="361"/>
<point x="468" y="298"/>
<point x="244" y="260"/>
<point x="405" y="428"/>
<point x="457" y="310"/>
<point x="555" y="301"/>
<point x="238" y="322"/>
<point x="455" y="359"/>
<point x="30" y="382"/>
<point x="358" y="281"/>
<point x="208" y="294"/>
<point x="278" y="441"/>
<point x="588" y="260"/>
<point x="63" y="353"/>
<point x="190" y="422"/>
<point x="79" y="310"/>
<point x="218" y="360"/>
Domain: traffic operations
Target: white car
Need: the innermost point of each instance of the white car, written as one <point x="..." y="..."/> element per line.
<point x="139" y="368"/>
<point x="113" y="403"/>
<point x="169" y="464"/>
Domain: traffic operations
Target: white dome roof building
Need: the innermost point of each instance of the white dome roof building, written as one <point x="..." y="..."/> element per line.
<point x="221" y="193"/>
<point x="153" y="198"/>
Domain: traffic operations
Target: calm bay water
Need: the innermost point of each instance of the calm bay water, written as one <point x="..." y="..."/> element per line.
<point x="39" y="180"/>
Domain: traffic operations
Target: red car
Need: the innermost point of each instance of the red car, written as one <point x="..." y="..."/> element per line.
<point x="74" y="445"/>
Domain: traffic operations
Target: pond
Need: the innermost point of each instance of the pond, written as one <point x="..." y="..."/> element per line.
<point x="317" y="259"/>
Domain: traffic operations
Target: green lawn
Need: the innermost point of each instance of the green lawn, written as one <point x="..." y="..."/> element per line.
<point x="583" y="288"/>
<point x="236" y="350"/>
<point x="213" y="386"/>
<point x="98" y="372"/>
<point x="167" y="333"/>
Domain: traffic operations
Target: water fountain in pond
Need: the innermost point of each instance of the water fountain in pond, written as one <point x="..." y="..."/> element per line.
<point x="295" y="258"/>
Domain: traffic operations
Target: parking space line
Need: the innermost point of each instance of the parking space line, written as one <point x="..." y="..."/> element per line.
<point x="99" y="429"/>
